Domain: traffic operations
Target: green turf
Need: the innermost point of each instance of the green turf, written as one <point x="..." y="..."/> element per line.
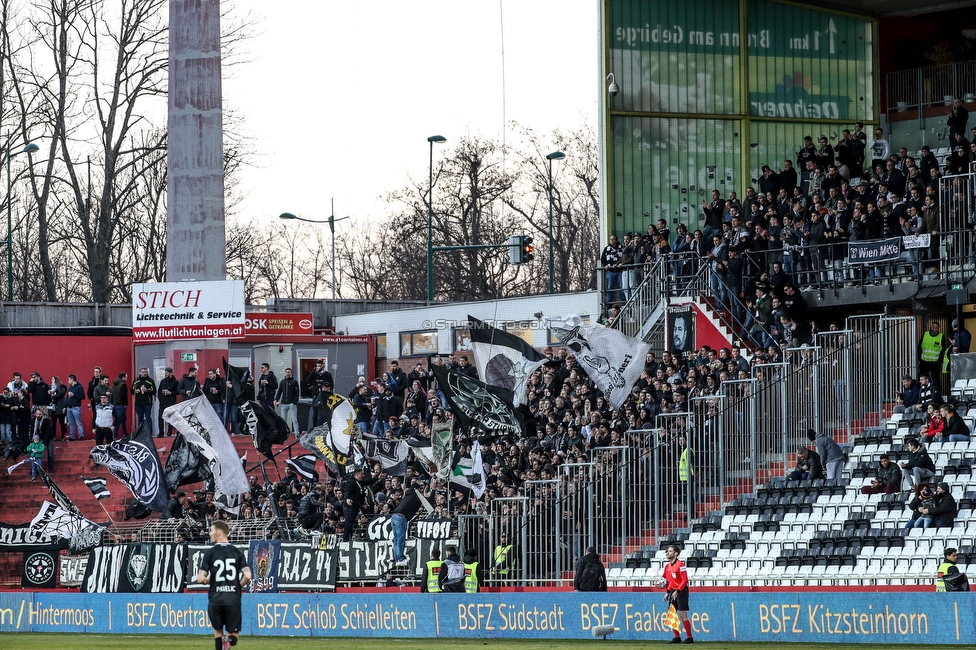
<point x="163" y="642"/>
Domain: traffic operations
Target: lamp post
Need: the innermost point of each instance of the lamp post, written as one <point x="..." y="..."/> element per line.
<point x="29" y="148"/>
<point x="439" y="139"/>
<point x="555" y="155"/>
<point x="331" y="221"/>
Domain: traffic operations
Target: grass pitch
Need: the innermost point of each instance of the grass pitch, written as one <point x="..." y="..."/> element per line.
<point x="186" y="642"/>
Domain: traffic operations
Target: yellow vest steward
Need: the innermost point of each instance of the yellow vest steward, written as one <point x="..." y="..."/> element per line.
<point x="939" y="582"/>
<point x="433" y="572"/>
<point x="501" y="554"/>
<point x="931" y="347"/>
<point x="685" y="464"/>
<point x="471" y="578"/>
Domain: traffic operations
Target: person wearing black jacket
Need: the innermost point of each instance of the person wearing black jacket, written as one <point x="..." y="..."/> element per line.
<point x="943" y="512"/>
<point x="590" y="573"/>
<point x="714" y="215"/>
<point x="918" y="468"/>
<point x="309" y="510"/>
<point x="320" y="412"/>
<point x="43" y="427"/>
<point x="318" y="376"/>
<point x="168" y="389"/>
<point x="955" y="428"/>
<point x="144" y="392"/>
<point x="189" y="387"/>
<point x="286" y="399"/>
<point x="406" y="510"/>
<point x="353" y="498"/>
<point x="215" y="390"/>
<point x="808" y="465"/>
<point x="387" y="404"/>
<point x="38" y="390"/>
<point x="267" y="386"/>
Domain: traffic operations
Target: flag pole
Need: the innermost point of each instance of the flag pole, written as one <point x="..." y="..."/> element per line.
<point x="106" y="512"/>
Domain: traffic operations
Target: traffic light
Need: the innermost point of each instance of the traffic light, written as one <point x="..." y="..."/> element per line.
<point x="520" y="249"/>
<point x="528" y="250"/>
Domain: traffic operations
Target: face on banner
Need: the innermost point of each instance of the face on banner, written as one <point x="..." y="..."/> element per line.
<point x="681" y="329"/>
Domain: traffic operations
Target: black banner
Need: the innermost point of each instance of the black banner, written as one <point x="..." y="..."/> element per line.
<point x="874" y="250"/>
<point x="380" y="528"/>
<point x="368" y="561"/>
<point x="15" y="537"/>
<point x="40" y="569"/>
<point x="305" y="568"/>
<point x="136" y="568"/>
<point x="194" y="556"/>
<point x="434" y="529"/>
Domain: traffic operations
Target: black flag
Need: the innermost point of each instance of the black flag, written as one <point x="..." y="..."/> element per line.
<point x="483" y="411"/>
<point x="241" y="381"/>
<point x="503" y="359"/>
<point x="304" y="466"/>
<point x="58" y="494"/>
<point x="134" y="461"/>
<point x="265" y="426"/>
<point x="185" y="465"/>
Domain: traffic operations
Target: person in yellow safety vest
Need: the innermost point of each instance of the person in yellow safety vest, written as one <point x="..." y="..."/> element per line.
<point x="432" y="570"/>
<point x="932" y="352"/>
<point x="686" y="472"/>
<point x="472" y="572"/>
<point x="949" y="578"/>
<point x="503" y="564"/>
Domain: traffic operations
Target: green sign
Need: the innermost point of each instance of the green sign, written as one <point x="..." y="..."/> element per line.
<point x="188" y="356"/>
<point x="683" y="58"/>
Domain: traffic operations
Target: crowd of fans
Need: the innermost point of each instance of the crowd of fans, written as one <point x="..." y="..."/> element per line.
<point x="796" y="223"/>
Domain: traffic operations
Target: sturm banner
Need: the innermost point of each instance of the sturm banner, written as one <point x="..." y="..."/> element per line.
<point x="136" y="568"/>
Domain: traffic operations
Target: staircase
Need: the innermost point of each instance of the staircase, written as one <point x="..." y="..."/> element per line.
<point x="21" y="499"/>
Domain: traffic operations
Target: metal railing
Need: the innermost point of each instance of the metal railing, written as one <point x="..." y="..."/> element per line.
<point x="935" y="85"/>
<point x="632" y="497"/>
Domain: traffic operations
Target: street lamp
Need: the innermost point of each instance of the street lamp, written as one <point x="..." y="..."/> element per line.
<point x="331" y="221"/>
<point x="555" y="155"/>
<point x="439" y="139"/>
<point x="29" y="148"/>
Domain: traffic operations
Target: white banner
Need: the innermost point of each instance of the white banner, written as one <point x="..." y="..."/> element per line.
<point x="916" y="241"/>
<point x="169" y="311"/>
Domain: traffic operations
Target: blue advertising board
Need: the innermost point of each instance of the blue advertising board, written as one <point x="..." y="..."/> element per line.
<point x="849" y="617"/>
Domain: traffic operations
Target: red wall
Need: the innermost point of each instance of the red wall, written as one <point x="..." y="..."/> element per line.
<point x="706" y="333"/>
<point x="65" y="354"/>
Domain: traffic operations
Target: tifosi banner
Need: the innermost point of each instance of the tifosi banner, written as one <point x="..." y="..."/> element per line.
<point x="171" y="311"/>
<point x="279" y="324"/>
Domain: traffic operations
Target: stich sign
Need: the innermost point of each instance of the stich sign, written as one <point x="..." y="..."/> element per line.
<point x="173" y="311"/>
<point x="279" y="324"/>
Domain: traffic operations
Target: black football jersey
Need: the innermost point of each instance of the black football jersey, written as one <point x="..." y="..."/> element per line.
<point x="225" y="563"/>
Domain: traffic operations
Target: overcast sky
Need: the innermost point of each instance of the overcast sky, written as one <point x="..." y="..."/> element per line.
<point x="341" y="96"/>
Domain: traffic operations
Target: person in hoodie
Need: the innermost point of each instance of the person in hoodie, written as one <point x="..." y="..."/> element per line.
<point x="189" y="387"/>
<point x="830" y="452"/>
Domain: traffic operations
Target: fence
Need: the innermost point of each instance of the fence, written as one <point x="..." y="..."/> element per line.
<point x="931" y="86"/>
<point x="691" y="464"/>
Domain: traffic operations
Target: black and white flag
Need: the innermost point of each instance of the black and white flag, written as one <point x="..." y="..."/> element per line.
<point x="266" y="427"/>
<point x="55" y="521"/>
<point x="469" y="472"/>
<point x="483" y="411"/>
<point x="58" y="494"/>
<point x="133" y="461"/>
<point x="612" y="359"/>
<point x="304" y="466"/>
<point x="503" y="359"/>
<point x="242" y="383"/>
<point x="97" y="487"/>
<point x="199" y="425"/>
<point x="332" y="441"/>
<point x="392" y="454"/>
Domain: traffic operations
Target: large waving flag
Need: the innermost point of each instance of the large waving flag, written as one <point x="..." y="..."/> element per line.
<point x="613" y="360"/>
<point x="483" y="411"/>
<point x="199" y="425"/>
<point x="503" y="359"/>
<point x="133" y="461"/>
<point x="332" y="440"/>
<point x="392" y="454"/>
<point x="266" y="427"/>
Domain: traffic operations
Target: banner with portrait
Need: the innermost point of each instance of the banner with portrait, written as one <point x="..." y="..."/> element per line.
<point x="680" y="328"/>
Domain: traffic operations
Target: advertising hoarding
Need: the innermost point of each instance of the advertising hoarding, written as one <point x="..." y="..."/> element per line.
<point x="174" y="311"/>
